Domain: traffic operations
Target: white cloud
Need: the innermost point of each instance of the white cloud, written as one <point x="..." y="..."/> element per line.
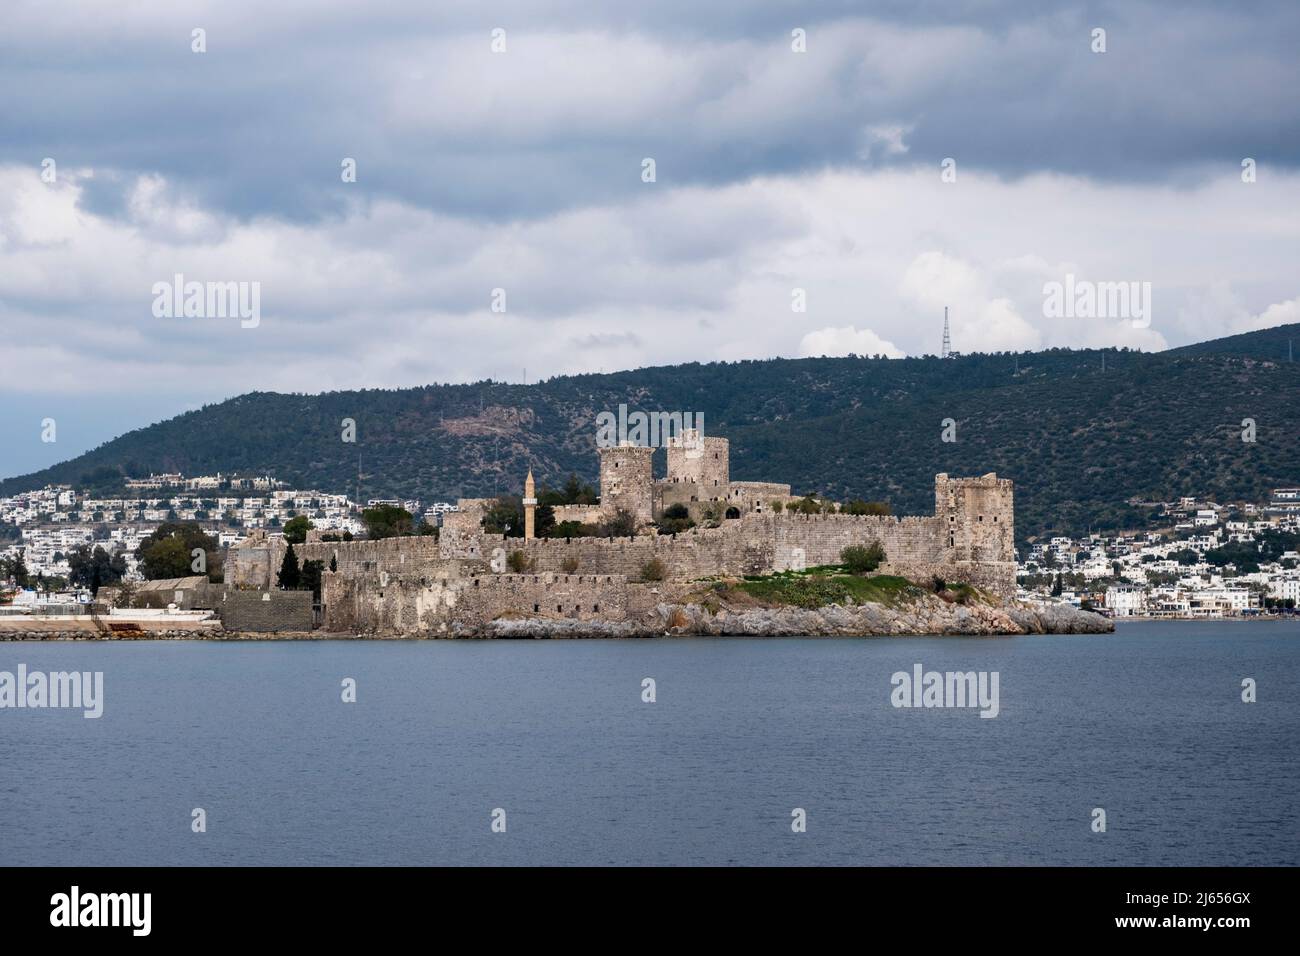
<point x="1279" y="313"/>
<point x="981" y="321"/>
<point x="388" y="294"/>
<point x="847" y="340"/>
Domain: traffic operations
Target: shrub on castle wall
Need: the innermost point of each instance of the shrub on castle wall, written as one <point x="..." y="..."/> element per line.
<point x="860" y="559"/>
<point x="653" y="570"/>
<point x="807" y="506"/>
<point x="857" y="506"/>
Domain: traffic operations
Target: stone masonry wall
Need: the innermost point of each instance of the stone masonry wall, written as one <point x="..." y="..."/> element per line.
<point x="265" y="610"/>
<point x="583" y="514"/>
<point x="453" y="603"/>
<point x="753" y="544"/>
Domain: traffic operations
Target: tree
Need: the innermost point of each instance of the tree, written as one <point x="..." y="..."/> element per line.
<point x="125" y="595"/>
<point x="290" y="576"/>
<point x="310" y="579"/>
<point x="505" y="516"/>
<point x="296" y="528"/>
<point x="543" y="520"/>
<point x="675" y="518"/>
<point x="94" y="569"/>
<point x="621" y="524"/>
<point x="570" y="529"/>
<point x="169" y="552"/>
<point x="387" y="521"/>
<point x="578" y="493"/>
<point x="15" y="568"/>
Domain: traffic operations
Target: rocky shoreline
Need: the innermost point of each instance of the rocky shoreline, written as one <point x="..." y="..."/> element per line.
<point x="926" y="616"/>
<point x="929" y="617"/>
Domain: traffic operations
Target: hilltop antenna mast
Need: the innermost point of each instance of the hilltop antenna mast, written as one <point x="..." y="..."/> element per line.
<point x="947" y="341"/>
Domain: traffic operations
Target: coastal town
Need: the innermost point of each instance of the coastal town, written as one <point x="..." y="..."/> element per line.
<point x="44" y="528"/>
<point x="1198" y="559"/>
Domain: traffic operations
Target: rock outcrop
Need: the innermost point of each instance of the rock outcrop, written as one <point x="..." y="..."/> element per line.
<point x="927" y="616"/>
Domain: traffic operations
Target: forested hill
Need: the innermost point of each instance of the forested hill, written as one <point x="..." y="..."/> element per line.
<point x="1079" y="441"/>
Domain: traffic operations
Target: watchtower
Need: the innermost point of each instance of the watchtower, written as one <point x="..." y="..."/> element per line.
<point x="627" y="480"/>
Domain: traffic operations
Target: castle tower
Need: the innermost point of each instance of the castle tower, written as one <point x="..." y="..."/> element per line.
<point x="705" y="461"/>
<point x="530" y="506"/>
<point x="978" y="517"/>
<point x="627" y="480"/>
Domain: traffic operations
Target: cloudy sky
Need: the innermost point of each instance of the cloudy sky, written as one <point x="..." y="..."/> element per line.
<point x="522" y="169"/>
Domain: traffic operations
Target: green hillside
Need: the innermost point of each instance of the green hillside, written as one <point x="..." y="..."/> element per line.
<point x="1079" y="442"/>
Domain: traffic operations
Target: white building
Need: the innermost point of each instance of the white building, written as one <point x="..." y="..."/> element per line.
<point x="1124" y="600"/>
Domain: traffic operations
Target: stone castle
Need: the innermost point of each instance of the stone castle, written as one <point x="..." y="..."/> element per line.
<point x="458" y="582"/>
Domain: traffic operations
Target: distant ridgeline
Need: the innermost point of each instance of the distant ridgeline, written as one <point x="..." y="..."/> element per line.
<point x="1081" y="435"/>
<point x="458" y="583"/>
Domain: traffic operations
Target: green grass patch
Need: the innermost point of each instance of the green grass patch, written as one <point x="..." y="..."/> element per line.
<point x="815" y="588"/>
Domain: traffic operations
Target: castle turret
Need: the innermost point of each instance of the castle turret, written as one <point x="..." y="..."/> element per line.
<point x="627" y="481"/>
<point x="530" y="505"/>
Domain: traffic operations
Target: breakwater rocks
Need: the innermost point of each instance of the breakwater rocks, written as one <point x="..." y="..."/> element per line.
<point x="926" y="617"/>
<point x="121" y="634"/>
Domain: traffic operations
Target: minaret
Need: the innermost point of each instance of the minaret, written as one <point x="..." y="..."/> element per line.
<point x="947" y="342"/>
<point x="530" y="505"/>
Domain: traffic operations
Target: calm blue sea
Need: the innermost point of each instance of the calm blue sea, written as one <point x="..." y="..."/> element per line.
<point x="1147" y="723"/>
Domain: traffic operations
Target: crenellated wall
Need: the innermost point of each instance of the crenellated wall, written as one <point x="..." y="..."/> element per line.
<point x="583" y="514"/>
<point x="753" y="544"/>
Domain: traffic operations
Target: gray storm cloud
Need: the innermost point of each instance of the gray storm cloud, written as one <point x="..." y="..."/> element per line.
<point x="522" y="170"/>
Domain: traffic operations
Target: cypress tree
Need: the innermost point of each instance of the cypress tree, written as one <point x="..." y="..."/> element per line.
<point x="290" y="573"/>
